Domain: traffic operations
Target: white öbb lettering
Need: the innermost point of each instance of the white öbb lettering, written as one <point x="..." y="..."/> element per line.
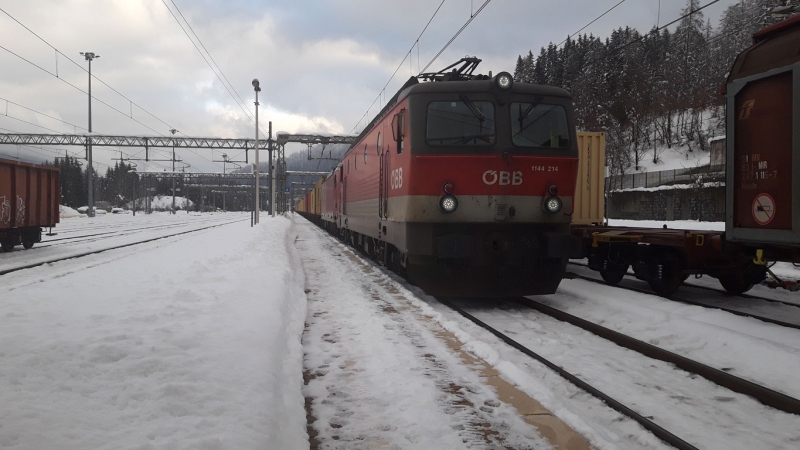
<point x="502" y="178"/>
<point x="397" y="178"/>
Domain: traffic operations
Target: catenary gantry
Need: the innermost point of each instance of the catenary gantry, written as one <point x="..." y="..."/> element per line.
<point x="166" y="141"/>
<point x="148" y="142"/>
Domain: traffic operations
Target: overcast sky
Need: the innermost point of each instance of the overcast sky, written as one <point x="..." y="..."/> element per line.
<point x="321" y="63"/>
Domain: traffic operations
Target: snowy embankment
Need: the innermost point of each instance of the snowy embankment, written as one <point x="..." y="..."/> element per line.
<point x="195" y="343"/>
<point x="65" y="212"/>
<point x="161" y="203"/>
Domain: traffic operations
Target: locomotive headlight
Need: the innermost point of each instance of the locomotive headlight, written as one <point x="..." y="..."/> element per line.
<point x="504" y="81"/>
<point x="448" y="204"/>
<point x="552" y="205"/>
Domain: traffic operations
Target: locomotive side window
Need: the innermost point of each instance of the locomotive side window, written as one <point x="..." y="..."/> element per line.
<point x="380" y="144"/>
<point x="365" y="153"/>
<point x="539" y="125"/>
<point x="398" y="129"/>
<point x="462" y="123"/>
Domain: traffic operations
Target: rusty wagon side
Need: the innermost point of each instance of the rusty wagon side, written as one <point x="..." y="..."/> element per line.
<point x="29" y="200"/>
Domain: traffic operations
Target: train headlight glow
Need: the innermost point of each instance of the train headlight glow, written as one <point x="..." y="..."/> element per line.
<point x="448" y="204"/>
<point x="552" y="205"/>
<point x="504" y="81"/>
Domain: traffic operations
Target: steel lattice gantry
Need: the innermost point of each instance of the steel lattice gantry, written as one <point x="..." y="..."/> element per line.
<point x="284" y="138"/>
<point x="130" y="141"/>
<point x="98" y="140"/>
<point x="165" y="141"/>
<point x="284" y="191"/>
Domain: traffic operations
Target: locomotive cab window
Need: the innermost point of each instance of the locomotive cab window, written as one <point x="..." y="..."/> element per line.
<point x="539" y="125"/>
<point x="462" y="123"/>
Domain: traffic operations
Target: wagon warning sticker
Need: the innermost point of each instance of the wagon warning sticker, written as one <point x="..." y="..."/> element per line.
<point x="763" y="209"/>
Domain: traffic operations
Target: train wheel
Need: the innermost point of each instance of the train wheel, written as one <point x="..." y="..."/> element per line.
<point x="613" y="273"/>
<point x="7" y="245"/>
<point x="27" y="243"/>
<point x="667" y="277"/>
<point x="735" y="284"/>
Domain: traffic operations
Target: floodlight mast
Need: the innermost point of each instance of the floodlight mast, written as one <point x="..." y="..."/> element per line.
<point x="90" y="170"/>
<point x="257" y="202"/>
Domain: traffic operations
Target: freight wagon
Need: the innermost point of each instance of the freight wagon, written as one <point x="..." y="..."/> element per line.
<point x="29" y="200"/>
<point x="762" y="186"/>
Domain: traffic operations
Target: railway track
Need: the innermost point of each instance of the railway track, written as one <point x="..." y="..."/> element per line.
<point x="764" y="395"/>
<point x="114" y="247"/>
<point x="776" y="319"/>
<point x="707" y="288"/>
<point x="120" y="232"/>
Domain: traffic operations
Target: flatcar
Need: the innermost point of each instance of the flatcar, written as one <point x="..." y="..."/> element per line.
<point x="463" y="183"/>
<point x="762" y="185"/>
<point x="29" y="201"/>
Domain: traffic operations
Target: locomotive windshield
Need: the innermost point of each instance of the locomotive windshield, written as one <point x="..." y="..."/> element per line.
<point x="539" y="125"/>
<point x="462" y="123"/>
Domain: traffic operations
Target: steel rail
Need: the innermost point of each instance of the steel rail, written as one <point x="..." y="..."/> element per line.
<point x="116" y="232"/>
<point x="648" y="424"/>
<point x="81" y="255"/>
<point x="676" y="298"/>
<point x="708" y="288"/>
<point x="763" y="394"/>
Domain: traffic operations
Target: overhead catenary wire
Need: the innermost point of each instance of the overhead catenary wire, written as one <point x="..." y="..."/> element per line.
<point x="209" y="54"/>
<point x="42" y="114"/>
<point x="245" y="110"/>
<point x="416" y="43"/>
<point x="644" y="36"/>
<point x="458" y="33"/>
<point x="79" y="89"/>
<point x="473" y="15"/>
<point x="80" y="66"/>
<point x="593" y="21"/>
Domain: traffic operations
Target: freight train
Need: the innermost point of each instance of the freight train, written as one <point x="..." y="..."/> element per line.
<point x="29" y="200"/>
<point x="489" y="211"/>
<point x="463" y="183"/>
<point x="762" y="223"/>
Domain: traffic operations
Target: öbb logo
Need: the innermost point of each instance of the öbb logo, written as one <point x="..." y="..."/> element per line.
<point x="502" y="178"/>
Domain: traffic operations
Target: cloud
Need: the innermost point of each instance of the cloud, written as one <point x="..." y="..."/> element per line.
<point x="321" y="63"/>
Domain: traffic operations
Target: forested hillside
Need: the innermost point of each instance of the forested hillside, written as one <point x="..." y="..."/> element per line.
<point x="656" y="90"/>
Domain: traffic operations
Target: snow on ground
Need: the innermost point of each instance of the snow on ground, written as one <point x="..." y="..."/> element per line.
<point x="379" y="376"/>
<point x="187" y="344"/>
<point x="65" y="212"/>
<point x="194" y="342"/>
<point x="677" y="157"/>
<point x="162" y="203"/>
<point x="672" y="224"/>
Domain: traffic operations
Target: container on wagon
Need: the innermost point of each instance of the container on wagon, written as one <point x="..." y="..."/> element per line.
<point x="589" y="187"/>
<point x="763" y="145"/>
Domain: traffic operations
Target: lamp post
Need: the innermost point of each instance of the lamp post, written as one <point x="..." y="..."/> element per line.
<point x="135" y="176"/>
<point x="257" y="204"/>
<point x="271" y="175"/>
<point x="173" y="131"/>
<point x="90" y="212"/>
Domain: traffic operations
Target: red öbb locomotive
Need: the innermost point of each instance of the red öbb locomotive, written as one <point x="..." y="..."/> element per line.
<point x="463" y="183"/>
